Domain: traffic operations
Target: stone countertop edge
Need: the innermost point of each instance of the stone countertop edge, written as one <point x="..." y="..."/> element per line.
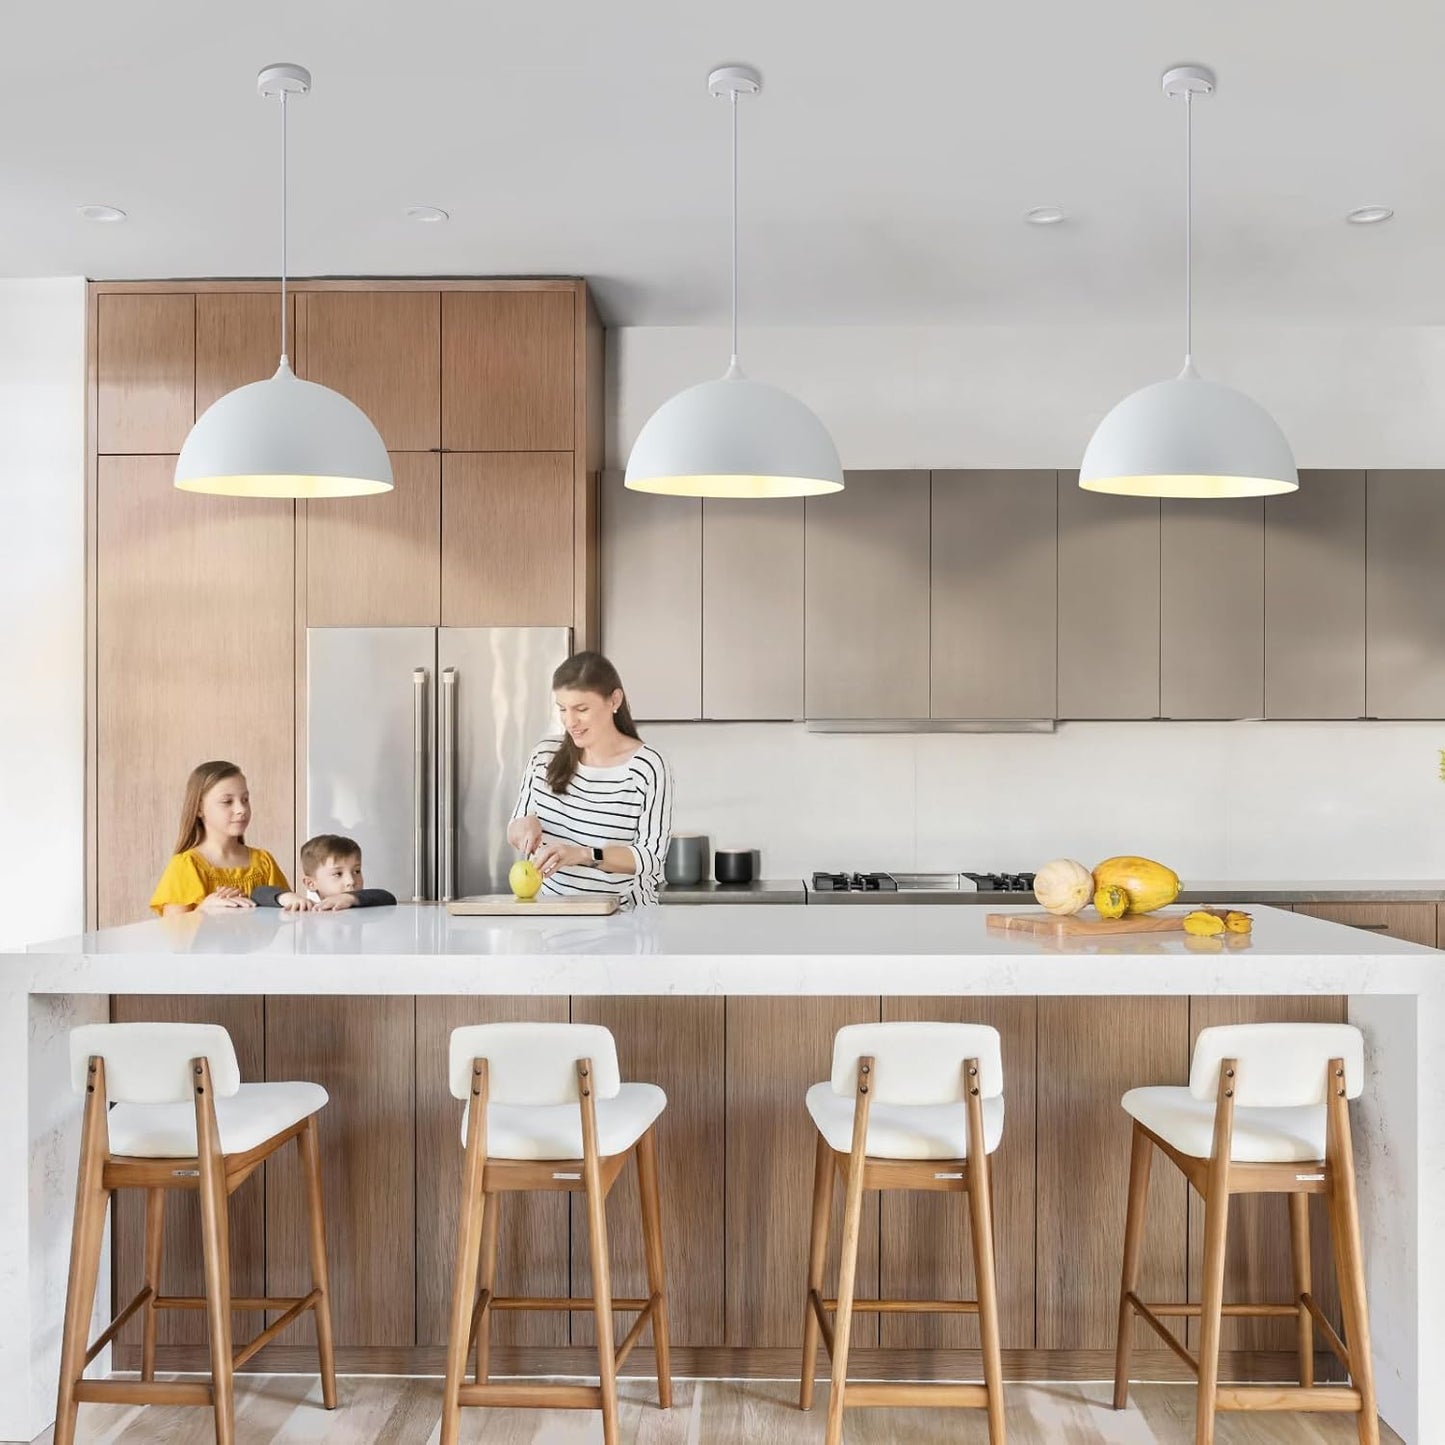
<point x="790" y="890"/>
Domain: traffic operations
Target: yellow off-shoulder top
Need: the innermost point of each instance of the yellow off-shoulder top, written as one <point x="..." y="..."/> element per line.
<point x="189" y="878"/>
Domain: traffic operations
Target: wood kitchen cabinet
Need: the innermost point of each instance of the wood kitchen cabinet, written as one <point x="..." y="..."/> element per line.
<point x="508" y="365"/>
<point x="238" y="340"/>
<point x="1108" y="603"/>
<point x="1413" y="922"/>
<point x="651" y="578"/>
<point x="1212" y="608"/>
<point x="994" y="570"/>
<point x="184" y="670"/>
<point x="1405" y="595"/>
<point x="1314" y="598"/>
<point x="866" y="598"/>
<point x="381" y="350"/>
<point x="752" y="609"/>
<point x="145" y="372"/>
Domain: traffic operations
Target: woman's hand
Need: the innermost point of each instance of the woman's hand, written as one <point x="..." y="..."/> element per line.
<point x="294" y="903"/>
<point x="555" y="854"/>
<point x="224" y="899"/>
<point x="525" y="834"/>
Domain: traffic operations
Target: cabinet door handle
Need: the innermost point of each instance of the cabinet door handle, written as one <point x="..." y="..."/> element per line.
<point x="420" y="883"/>
<point x="448" y="787"/>
<point x="1377" y="927"/>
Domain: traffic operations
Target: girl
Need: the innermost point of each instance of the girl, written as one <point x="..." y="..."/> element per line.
<point x="213" y="870"/>
<point x="595" y="808"/>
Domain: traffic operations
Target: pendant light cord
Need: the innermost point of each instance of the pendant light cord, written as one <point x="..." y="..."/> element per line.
<point x="1188" y="231"/>
<point x="283" y="227"/>
<point x="733" y="101"/>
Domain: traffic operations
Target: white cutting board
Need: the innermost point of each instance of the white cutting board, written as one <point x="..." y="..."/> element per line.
<point x="505" y="903"/>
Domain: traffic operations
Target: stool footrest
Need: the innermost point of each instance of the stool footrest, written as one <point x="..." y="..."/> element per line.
<point x="912" y="1306"/>
<point x="116" y="1325"/>
<point x="869" y="1393"/>
<point x="575" y="1306"/>
<point x="1337" y="1399"/>
<point x="310" y="1301"/>
<point x="142" y="1392"/>
<point x="555" y="1397"/>
<point x="1191" y="1310"/>
<point x="1147" y="1314"/>
<point x="635" y="1333"/>
<point x="1328" y="1331"/>
<point x="245" y="1305"/>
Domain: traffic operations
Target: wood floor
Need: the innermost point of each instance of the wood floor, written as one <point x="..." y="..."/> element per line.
<point x="271" y="1409"/>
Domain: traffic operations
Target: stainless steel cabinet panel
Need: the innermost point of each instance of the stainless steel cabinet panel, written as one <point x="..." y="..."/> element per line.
<point x="994" y="597"/>
<point x="1314" y="598"/>
<point x="752" y="609"/>
<point x="866" y="598"/>
<point x="1212" y="608"/>
<point x="651" y="576"/>
<point x="1108" y="603"/>
<point x="1405" y="595"/>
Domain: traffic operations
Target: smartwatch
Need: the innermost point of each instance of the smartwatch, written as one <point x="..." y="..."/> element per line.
<point x="596" y="855"/>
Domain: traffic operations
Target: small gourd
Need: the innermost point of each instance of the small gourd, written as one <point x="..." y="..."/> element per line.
<point x="1111" y="902"/>
<point x="1063" y="886"/>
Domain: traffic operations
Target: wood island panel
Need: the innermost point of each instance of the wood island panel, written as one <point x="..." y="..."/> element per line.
<point x="1412" y="922"/>
<point x="361" y="1051"/>
<point x="1090" y="1052"/>
<point x="677" y="1044"/>
<point x="777" y="1048"/>
<point x="532" y="1245"/>
<point x="924" y="1248"/>
<point x="1257" y="1250"/>
<point x="182" y="1272"/>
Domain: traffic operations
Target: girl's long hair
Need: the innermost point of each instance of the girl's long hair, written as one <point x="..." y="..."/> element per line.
<point x="586" y="672"/>
<point x="201" y="781"/>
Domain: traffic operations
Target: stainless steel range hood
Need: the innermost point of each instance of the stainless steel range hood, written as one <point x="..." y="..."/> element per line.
<point x="930" y="725"/>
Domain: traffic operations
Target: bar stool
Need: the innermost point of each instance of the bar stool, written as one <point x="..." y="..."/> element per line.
<point x="1265" y="1112"/>
<point x="546" y="1110"/>
<point x="909" y="1106"/>
<point x="165" y="1109"/>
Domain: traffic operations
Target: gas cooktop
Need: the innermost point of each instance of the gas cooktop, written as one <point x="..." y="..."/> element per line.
<point x="915" y="887"/>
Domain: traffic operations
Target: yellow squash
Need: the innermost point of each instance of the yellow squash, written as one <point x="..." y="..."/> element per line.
<point x="1149" y="885"/>
<point x="1202" y="924"/>
<point x="1111" y="902"/>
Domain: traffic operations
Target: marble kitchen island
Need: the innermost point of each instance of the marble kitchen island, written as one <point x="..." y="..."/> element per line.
<point x="732" y="1011"/>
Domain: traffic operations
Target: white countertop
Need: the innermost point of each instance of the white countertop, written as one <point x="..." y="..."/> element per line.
<point x="743" y="949"/>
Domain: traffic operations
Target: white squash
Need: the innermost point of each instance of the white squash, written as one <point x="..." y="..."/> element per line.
<point x="1063" y="886"/>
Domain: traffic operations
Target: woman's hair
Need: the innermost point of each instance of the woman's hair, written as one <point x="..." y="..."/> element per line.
<point x="200" y="782"/>
<point x="585" y="672"/>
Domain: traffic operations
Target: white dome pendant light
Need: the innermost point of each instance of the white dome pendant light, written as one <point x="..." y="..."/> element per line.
<point x="1188" y="437"/>
<point x="734" y="437"/>
<point x="284" y="437"/>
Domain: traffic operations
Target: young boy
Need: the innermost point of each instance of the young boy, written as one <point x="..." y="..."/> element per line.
<point x="330" y="878"/>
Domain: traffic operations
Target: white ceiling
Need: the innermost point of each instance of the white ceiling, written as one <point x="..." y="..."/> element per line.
<point x="886" y="166"/>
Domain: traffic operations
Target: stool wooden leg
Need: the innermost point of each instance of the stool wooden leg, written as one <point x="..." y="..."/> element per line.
<point x="601" y="1297"/>
<point x="155" y="1237"/>
<point x="1299" y="1253"/>
<point x="491" y="1223"/>
<point x="86" y="1240"/>
<point x="469" y="1248"/>
<point x="843" y="1319"/>
<point x="1140" y="1158"/>
<point x="980" y="1213"/>
<point x="1216" y="1224"/>
<point x="216" y="1255"/>
<point x="310" y="1148"/>
<point x="817" y="1252"/>
<point x="647" y="1188"/>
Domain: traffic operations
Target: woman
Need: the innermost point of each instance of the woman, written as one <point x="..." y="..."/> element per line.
<point x="595" y="808"/>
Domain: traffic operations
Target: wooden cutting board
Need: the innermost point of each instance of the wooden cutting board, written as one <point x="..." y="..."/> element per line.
<point x="1051" y="925"/>
<point x="505" y="903"/>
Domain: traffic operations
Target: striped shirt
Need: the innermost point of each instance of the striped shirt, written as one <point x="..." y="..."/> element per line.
<point x="630" y="803"/>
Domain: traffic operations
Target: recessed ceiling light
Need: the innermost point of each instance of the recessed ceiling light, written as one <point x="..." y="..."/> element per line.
<point x="1045" y="215"/>
<point x="1369" y="215"/>
<point x="101" y="213"/>
<point x="427" y="214"/>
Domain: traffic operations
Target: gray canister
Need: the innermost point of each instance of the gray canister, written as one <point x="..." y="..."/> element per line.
<point x="687" y="859"/>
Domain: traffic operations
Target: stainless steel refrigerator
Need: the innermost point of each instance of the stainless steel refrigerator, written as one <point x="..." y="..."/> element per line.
<point x="416" y="740"/>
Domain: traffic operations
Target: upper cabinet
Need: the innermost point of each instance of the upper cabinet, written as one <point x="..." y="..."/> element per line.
<point x="752" y="609"/>
<point x="1211" y="608"/>
<point x="1108" y="617"/>
<point x="1405" y="595"/>
<point x="866" y="598"/>
<point x="238" y="340"/>
<point x="145" y="372"/>
<point x="651" y="565"/>
<point x="382" y="350"/>
<point x="994" y="577"/>
<point x="1314" y="598"/>
<point x="509" y="359"/>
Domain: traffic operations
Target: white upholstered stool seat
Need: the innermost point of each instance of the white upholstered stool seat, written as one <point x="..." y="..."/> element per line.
<point x="245" y="1119"/>
<point x="903" y="1131"/>
<point x="1261" y="1135"/>
<point x="554" y="1131"/>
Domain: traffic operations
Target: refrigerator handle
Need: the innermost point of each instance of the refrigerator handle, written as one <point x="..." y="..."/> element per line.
<point x="447" y="833"/>
<point x="421" y="889"/>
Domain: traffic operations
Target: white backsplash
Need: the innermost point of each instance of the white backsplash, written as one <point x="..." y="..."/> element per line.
<point x="1240" y="800"/>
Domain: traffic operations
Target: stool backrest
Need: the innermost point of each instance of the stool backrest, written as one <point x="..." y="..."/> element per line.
<point x="1279" y="1066"/>
<point x="534" y="1063"/>
<point x="151" y="1063"/>
<point x="918" y="1063"/>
